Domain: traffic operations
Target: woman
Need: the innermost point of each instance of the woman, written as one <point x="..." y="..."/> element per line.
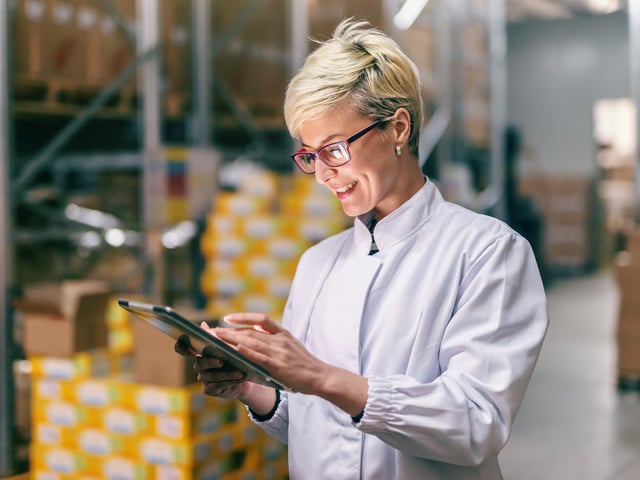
<point x="409" y="348"/>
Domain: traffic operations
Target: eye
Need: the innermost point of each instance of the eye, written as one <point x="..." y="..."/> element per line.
<point x="335" y="151"/>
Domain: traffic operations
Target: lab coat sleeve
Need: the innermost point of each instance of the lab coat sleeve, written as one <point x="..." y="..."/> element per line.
<point x="487" y="355"/>
<point x="277" y="426"/>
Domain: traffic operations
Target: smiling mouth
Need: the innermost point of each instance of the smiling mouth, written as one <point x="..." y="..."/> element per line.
<point x="346" y="188"/>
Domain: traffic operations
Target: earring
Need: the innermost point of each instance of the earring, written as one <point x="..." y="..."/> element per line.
<point x="398" y="150"/>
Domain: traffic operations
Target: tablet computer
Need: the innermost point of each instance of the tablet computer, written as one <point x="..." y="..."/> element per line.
<point x="199" y="340"/>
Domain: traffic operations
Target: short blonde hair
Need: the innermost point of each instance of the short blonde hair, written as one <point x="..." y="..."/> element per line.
<point x="358" y="67"/>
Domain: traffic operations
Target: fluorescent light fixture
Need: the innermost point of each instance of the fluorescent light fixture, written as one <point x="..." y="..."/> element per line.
<point x="408" y="13"/>
<point x="604" y="6"/>
<point x="115" y="237"/>
<point x="89" y="216"/>
<point x="90" y="240"/>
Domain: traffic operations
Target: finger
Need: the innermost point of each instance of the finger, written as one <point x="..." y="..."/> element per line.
<point x="224" y="391"/>
<point x="181" y="349"/>
<point x="232" y="336"/>
<point x="208" y="363"/>
<point x="259" y="321"/>
<point x="216" y="385"/>
<point x="184" y="347"/>
<point x="220" y="376"/>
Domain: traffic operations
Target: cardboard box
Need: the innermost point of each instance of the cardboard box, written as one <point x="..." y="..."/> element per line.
<point x="23" y="396"/>
<point x="155" y="361"/>
<point x="632" y="239"/>
<point x="115" y="50"/>
<point x="61" y="319"/>
<point x="627" y="271"/>
<point x="629" y="355"/>
<point x="27" y="33"/>
<point x="63" y="47"/>
<point x="628" y="328"/>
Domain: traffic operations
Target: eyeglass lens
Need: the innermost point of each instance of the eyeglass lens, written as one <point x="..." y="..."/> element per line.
<point x="333" y="155"/>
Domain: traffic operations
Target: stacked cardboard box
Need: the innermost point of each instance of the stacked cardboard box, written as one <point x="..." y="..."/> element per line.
<point x="92" y="427"/>
<point x="70" y="49"/>
<point x="61" y="319"/>
<point x="97" y="411"/>
<point x="66" y="51"/>
<point x="628" y="328"/>
<point x="566" y="206"/>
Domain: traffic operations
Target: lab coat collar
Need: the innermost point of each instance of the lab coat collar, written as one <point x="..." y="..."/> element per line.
<point x="399" y="223"/>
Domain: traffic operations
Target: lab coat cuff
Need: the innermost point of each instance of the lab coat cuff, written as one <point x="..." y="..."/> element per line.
<point x="378" y="400"/>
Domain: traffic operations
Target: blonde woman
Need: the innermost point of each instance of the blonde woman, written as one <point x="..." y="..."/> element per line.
<point x="409" y="338"/>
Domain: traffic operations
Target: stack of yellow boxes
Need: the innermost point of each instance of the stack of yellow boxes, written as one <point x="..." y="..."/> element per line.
<point x="90" y="423"/>
<point x="92" y="419"/>
<point x="255" y="236"/>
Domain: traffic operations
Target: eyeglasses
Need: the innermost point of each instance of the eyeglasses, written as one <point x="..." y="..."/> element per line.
<point x="332" y="155"/>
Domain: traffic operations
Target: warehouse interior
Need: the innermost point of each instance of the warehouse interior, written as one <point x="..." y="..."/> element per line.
<point x="144" y="154"/>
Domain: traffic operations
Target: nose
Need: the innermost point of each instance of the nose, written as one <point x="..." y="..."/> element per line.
<point x="323" y="172"/>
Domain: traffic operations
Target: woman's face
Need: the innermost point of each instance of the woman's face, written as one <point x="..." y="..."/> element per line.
<point x="370" y="181"/>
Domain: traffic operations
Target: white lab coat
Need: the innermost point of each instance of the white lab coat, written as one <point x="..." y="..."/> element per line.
<point x="446" y="322"/>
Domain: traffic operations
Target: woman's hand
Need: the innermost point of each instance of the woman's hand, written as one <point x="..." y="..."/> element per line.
<point x="219" y="379"/>
<point x="275" y="349"/>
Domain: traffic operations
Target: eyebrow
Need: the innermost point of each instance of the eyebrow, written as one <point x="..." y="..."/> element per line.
<point x="325" y="141"/>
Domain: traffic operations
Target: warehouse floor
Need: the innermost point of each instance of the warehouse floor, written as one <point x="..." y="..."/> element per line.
<point x="575" y="423"/>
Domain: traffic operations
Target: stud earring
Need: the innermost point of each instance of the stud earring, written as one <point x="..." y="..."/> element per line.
<point x="398" y="150"/>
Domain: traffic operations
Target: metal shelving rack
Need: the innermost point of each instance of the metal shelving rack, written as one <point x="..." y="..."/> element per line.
<point x="438" y="135"/>
<point x="444" y="133"/>
<point x="147" y="42"/>
<point x="6" y="258"/>
<point x="148" y="47"/>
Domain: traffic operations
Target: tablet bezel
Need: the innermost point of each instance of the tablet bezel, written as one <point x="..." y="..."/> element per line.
<point x="171" y="323"/>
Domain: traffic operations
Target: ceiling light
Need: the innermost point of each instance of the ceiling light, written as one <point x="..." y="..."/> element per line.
<point x="408" y="13"/>
<point x="604" y="6"/>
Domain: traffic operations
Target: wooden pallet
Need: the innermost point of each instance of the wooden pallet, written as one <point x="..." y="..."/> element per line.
<point x="57" y="96"/>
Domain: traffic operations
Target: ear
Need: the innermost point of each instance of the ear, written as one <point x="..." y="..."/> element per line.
<point x="401" y="126"/>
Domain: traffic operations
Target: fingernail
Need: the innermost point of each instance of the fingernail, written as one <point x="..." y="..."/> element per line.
<point x="203" y="324"/>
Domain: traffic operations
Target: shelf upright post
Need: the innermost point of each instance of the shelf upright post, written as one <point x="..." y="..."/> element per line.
<point x="458" y="63"/>
<point x="298" y="38"/>
<point x="153" y="168"/>
<point x="7" y="407"/>
<point x="634" y="58"/>
<point x="498" y="99"/>
<point x="299" y="31"/>
<point x="201" y="48"/>
<point x="437" y="134"/>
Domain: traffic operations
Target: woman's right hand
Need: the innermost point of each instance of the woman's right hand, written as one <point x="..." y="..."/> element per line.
<point x="220" y="380"/>
<point x="217" y="378"/>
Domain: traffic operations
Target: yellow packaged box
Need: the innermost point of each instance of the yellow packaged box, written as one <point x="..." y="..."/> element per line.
<point x="192" y="424"/>
<point x="95" y="364"/>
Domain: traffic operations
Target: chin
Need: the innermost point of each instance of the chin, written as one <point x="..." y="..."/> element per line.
<point x="353" y="212"/>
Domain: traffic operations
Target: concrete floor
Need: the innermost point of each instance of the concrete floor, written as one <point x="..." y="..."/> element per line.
<point x="575" y="423"/>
